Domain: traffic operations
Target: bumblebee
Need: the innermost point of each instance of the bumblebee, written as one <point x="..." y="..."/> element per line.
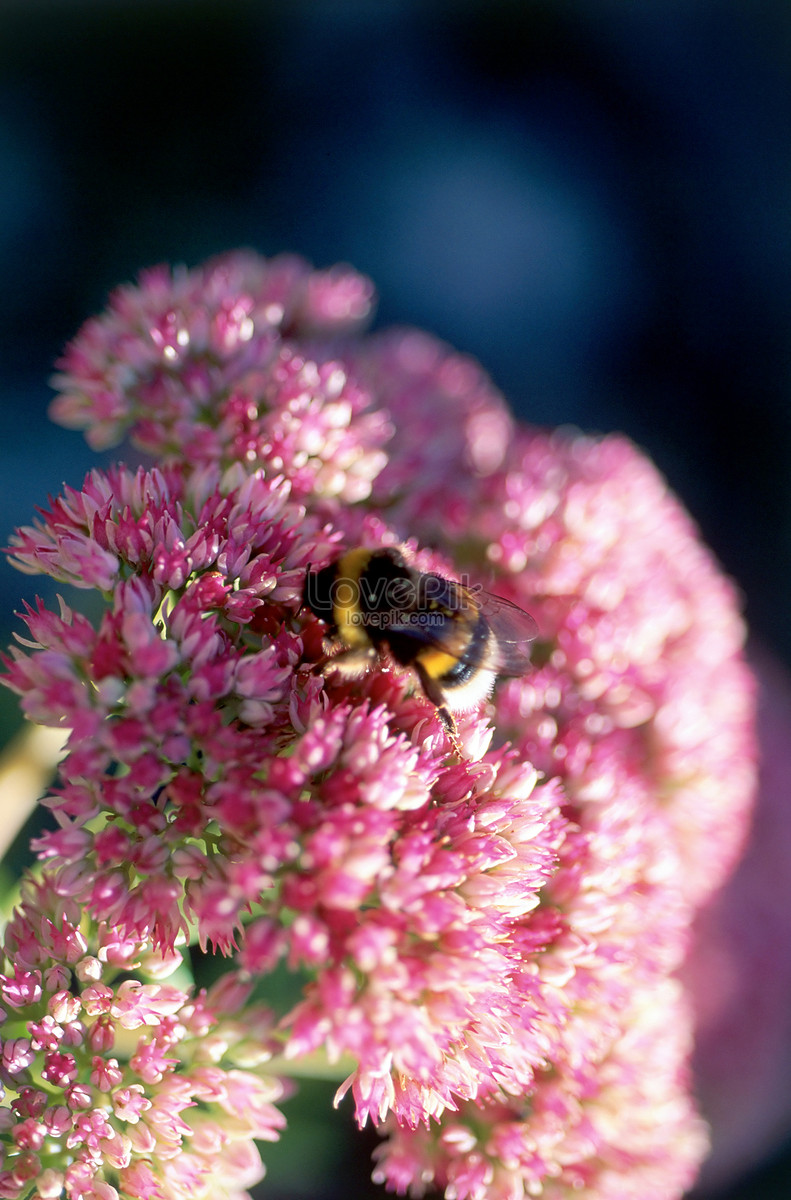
<point x="456" y="639"/>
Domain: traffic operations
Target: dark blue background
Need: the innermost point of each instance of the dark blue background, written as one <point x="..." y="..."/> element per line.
<point x="592" y="198"/>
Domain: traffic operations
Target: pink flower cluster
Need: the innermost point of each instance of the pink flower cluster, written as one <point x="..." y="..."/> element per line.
<point x="490" y="939"/>
<point x="201" y="367"/>
<point x="120" y="1088"/>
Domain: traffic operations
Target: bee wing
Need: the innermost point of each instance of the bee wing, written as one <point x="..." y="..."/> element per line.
<point x="513" y="632"/>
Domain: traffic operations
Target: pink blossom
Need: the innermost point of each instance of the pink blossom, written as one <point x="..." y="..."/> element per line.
<point x="484" y="932"/>
<point x="279" y="409"/>
<point x="89" y="1139"/>
<point x="739" y="973"/>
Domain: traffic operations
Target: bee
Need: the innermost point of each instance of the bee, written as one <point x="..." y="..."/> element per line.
<point x="456" y="639"/>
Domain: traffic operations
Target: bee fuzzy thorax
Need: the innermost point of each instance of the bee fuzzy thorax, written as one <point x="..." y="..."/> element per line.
<point x="344" y="585"/>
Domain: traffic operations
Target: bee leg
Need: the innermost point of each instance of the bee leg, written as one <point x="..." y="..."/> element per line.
<point x="350" y="664"/>
<point x="434" y="693"/>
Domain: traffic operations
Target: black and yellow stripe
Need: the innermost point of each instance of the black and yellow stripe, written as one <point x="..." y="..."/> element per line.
<point x="346" y="598"/>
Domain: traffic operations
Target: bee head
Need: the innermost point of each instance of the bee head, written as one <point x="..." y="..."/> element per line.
<point x="317" y="592"/>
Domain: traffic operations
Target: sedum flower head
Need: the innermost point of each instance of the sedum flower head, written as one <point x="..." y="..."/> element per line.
<point x="117" y="1088"/>
<point x="486" y="940"/>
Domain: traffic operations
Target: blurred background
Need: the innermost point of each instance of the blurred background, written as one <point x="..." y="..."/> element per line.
<point x="592" y="198"/>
